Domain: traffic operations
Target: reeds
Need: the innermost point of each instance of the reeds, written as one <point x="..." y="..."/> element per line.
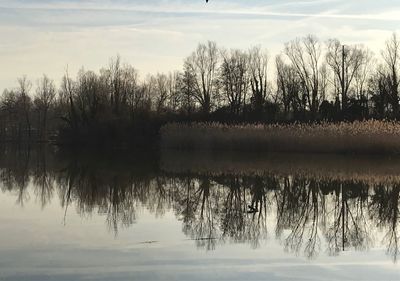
<point x="370" y="137"/>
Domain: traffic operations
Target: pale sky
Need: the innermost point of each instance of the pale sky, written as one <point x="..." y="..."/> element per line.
<point x="44" y="36"/>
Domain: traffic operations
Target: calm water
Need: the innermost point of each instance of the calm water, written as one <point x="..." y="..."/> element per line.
<point x="185" y="216"/>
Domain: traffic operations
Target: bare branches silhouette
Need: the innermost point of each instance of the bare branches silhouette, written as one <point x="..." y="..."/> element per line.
<point x="310" y="81"/>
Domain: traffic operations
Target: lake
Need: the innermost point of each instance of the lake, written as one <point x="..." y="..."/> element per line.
<point x="176" y="215"/>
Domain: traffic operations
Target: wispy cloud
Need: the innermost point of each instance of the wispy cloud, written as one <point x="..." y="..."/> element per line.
<point x="155" y="35"/>
<point x="337" y="9"/>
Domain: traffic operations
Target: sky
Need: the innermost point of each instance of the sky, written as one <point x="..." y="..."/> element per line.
<point x="49" y="36"/>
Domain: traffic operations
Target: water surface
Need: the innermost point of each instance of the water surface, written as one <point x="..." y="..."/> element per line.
<point x="185" y="216"/>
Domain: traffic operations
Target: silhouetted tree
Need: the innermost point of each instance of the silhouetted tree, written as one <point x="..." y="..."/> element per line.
<point x="258" y="67"/>
<point x="235" y="79"/>
<point x="391" y="57"/>
<point x="202" y="65"/>
<point x="44" y="99"/>
<point x="305" y="56"/>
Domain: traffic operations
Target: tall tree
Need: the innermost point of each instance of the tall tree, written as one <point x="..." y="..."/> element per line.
<point x="67" y="99"/>
<point x="305" y="55"/>
<point x="24" y="87"/>
<point x="258" y="67"/>
<point x="289" y="89"/>
<point x="234" y="79"/>
<point x="186" y="86"/>
<point x="345" y="62"/>
<point x="391" y="58"/>
<point x="202" y="65"/>
<point x="45" y="95"/>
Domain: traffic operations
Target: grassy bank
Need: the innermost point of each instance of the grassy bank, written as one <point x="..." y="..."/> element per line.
<point x="369" y="137"/>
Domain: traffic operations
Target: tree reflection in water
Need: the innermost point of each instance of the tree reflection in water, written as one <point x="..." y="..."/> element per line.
<point x="308" y="214"/>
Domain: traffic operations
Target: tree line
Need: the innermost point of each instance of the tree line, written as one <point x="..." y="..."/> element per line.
<point x="309" y="81"/>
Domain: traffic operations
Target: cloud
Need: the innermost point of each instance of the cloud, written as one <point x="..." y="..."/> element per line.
<point x="155" y="35"/>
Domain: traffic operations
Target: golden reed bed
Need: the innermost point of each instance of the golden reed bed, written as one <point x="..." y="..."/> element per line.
<point x="361" y="137"/>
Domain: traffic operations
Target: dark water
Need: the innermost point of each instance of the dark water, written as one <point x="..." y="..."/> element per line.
<point x="197" y="216"/>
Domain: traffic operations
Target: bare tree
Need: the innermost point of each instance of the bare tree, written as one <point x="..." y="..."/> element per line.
<point x="363" y="73"/>
<point x="258" y="67"/>
<point x="391" y="57"/>
<point x="115" y="74"/>
<point x="379" y="91"/>
<point x="67" y="99"/>
<point x="9" y="114"/>
<point x="174" y="97"/>
<point x="91" y="97"/>
<point x="121" y="80"/>
<point x="24" y="87"/>
<point x="235" y="79"/>
<point x="305" y="55"/>
<point x="345" y="62"/>
<point x="45" y="95"/>
<point x="161" y="92"/>
<point x="289" y="88"/>
<point x="202" y="65"/>
<point x="186" y="86"/>
<point x="130" y="89"/>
